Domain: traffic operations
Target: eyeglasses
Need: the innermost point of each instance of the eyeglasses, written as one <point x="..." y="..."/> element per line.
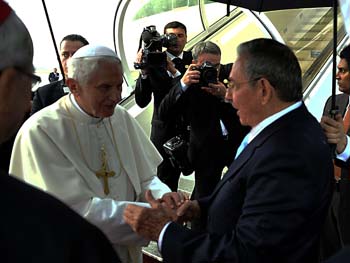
<point x="34" y="78"/>
<point x="231" y="84"/>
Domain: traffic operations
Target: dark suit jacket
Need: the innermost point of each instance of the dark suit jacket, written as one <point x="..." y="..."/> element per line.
<point x="342" y="101"/>
<point x="343" y="256"/>
<point x="337" y="228"/>
<point x="46" y="95"/>
<point x="54" y="76"/>
<point x="159" y="83"/>
<point x="36" y="227"/>
<point x="270" y="205"/>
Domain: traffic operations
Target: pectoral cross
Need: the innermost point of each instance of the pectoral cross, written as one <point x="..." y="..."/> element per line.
<point x="103" y="171"/>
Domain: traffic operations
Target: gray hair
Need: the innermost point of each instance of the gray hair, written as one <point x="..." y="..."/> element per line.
<point x="277" y="63"/>
<point x="207" y="47"/>
<point x="16" y="49"/>
<point x="80" y="69"/>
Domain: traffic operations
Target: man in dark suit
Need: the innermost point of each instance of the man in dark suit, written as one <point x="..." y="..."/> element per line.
<point x="50" y="93"/>
<point x="271" y="204"/>
<point x="54" y="75"/>
<point x="156" y="80"/>
<point x="34" y="226"/>
<point x="337" y="228"/>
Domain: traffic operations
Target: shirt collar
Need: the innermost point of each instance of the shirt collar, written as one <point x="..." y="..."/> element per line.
<point x="171" y="56"/>
<point x="269" y="120"/>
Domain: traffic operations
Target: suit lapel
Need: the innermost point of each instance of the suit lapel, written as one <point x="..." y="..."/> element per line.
<point x="257" y="142"/>
<point x="343" y="100"/>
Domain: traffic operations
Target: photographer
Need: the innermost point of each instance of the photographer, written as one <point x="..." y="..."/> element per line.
<point x="157" y="79"/>
<point x="215" y="130"/>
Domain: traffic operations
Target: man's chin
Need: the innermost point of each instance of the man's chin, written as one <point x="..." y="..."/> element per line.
<point x="108" y="112"/>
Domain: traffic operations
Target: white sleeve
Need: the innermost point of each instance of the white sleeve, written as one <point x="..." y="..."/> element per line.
<point x="107" y="214"/>
<point x="344" y="156"/>
<point x="156" y="186"/>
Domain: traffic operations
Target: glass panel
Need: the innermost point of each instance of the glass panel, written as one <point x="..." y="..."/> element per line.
<point x="309" y="32"/>
<point x="215" y="11"/>
<point x="243" y="27"/>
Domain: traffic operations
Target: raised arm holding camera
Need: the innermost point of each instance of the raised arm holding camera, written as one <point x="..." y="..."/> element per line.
<point x="215" y="131"/>
<point x="158" y="69"/>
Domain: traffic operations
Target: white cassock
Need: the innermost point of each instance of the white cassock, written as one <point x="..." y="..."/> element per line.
<point x="59" y="149"/>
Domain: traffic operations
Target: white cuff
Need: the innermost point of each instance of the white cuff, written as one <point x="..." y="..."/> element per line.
<point x="344" y="156"/>
<point x="161" y="235"/>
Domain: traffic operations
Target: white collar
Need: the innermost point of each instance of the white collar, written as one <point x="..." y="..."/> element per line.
<point x="269" y="120"/>
<point x="171" y="56"/>
<point x="76" y="105"/>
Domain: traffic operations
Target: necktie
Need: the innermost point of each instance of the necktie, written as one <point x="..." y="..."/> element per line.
<point x="346" y="122"/>
<point x="179" y="65"/>
<point x="244" y="143"/>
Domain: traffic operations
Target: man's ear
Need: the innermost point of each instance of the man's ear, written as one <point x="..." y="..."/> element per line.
<point x="266" y="90"/>
<point x="73" y="86"/>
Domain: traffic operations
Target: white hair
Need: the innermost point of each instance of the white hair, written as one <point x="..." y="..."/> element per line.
<point x="81" y="68"/>
<point x="16" y="49"/>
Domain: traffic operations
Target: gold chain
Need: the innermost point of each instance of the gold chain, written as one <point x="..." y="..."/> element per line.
<point x="114" y="142"/>
<point x="77" y="135"/>
<point x="81" y="148"/>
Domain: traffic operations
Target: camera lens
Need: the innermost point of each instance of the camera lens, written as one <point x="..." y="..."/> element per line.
<point x="208" y="74"/>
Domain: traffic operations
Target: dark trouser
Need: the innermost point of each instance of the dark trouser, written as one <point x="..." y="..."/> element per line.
<point x="344" y="210"/>
<point x="206" y="179"/>
<point x="208" y="165"/>
<point x="336" y="232"/>
<point x="168" y="174"/>
<point x="330" y="237"/>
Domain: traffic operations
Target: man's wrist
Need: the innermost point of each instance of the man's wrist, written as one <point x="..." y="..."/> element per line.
<point x="345" y="154"/>
<point x="342" y="145"/>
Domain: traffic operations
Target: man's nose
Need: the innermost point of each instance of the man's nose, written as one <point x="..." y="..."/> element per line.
<point x="115" y="95"/>
<point x="337" y="76"/>
<point x="228" y="94"/>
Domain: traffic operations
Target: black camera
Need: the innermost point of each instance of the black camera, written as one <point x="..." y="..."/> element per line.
<point x="152" y="52"/>
<point x="177" y="149"/>
<point x="208" y="74"/>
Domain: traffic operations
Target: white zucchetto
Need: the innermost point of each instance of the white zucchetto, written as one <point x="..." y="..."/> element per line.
<point x="94" y="51"/>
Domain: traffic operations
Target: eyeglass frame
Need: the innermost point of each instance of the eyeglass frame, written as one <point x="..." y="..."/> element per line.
<point x="231" y="84"/>
<point x="34" y="78"/>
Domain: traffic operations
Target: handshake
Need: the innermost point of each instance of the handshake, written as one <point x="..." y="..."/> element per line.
<point x="172" y="207"/>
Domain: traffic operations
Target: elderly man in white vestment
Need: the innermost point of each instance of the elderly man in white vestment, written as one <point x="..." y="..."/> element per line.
<point x="86" y="150"/>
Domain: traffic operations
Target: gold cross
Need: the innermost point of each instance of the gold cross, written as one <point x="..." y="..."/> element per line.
<point x="103" y="171"/>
